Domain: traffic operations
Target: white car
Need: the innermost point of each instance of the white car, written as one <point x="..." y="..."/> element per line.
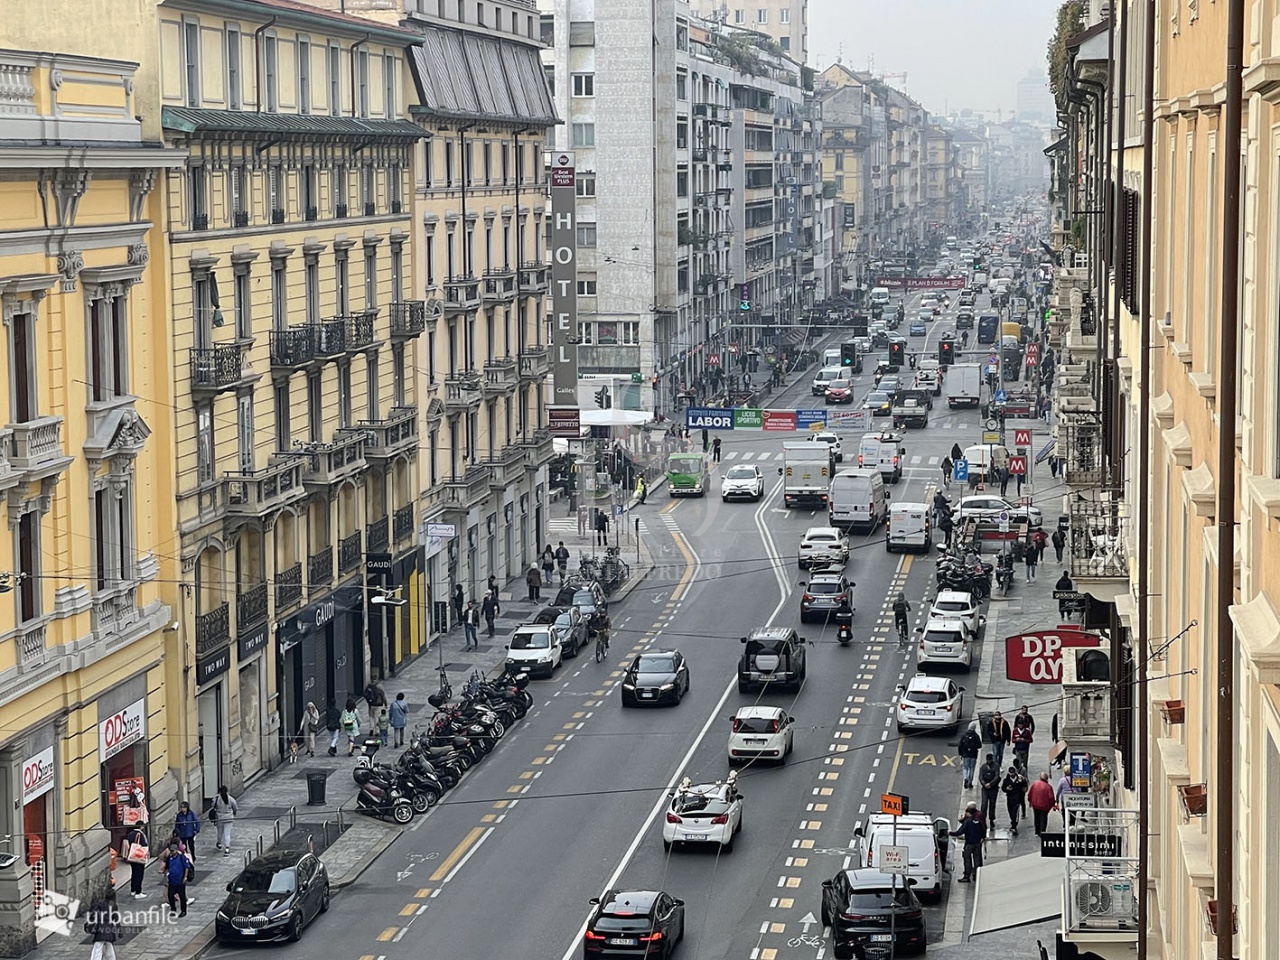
<point x="957" y="605"/>
<point x="742" y="482"/>
<point x="821" y="545"/>
<point x="832" y="439"/>
<point x="760" y="733"/>
<point x="535" y="650"/>
<point x="703" y="813"/>
<point x="930" y="703"/>
<point x="987" y="508"/>
<point x="947" y="642"/>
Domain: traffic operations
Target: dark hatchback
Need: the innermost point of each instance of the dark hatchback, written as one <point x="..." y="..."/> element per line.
<point x="273" y="898"/>
<point x="634" y="923"/>
<point x="661" y="677"/>
<point x="863" y="906"/>
<point x="588" y="596"/>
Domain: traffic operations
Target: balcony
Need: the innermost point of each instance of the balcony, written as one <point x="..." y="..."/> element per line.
<point x="1098" y="541"/>
<point x="535" y="363"/>
<point x="377" y="535"/>
<point x="320" y="569"/>
<point x="213" y="630"/>
<point x="408" y="319"/>
<point x="470" y="488"/>
<point x="31" y="640"/>
<point x="292" y="348"/>
<point x="251" y="607"/>
<point x="539" y="449"/>
<point x="499" y="376"/>
<point x="394" y="436"/>
<point x="499" y="285"/>
<point x="1101" y="896"/>
<point x="114" y="612"/>
<point x="215" y="369"/>
<point x="700" y="154"/>
<point x="1082" y="451"/>
<point x="361" y="330"/>
<point x="462" y="392"/>
<point x="329" y="338"/>
<point x="324" y="465"/>
<point x="35" y="448"/>
<point x="506" y="467"/>
<point x="257" y="493"/>
<point x="533" y="277"/>
<point x="461" y="294"/>
<point x="288" y="587"/>
<point x="402" y="524"/>
<point x="350" y="552"/>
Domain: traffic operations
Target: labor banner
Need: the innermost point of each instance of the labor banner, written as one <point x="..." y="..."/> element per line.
<point x="1037" y="657"/>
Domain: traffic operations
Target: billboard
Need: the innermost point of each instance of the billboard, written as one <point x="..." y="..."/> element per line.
<point x="921" y="283"/>
<point x="1037" y="657"/>
<point x="564" y="282"/>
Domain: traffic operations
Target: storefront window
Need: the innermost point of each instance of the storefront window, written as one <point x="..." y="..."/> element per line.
<point x="251" y="717"/>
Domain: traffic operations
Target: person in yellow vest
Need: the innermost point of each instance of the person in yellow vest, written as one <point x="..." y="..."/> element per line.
<point x="641" y="489"/>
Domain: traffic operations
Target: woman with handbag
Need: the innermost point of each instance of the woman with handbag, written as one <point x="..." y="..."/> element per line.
<point x="223" y="812"/>
<point x="310" y="727"/>
<point x="136" y="854"/>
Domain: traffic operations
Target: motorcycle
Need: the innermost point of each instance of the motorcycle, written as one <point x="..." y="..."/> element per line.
<point x="1004" y="572"/>
<point x="422" y="790"/>
<point x="844" y="628"/>
<point x="384" y="801"/>
<point x="367" y="750"/>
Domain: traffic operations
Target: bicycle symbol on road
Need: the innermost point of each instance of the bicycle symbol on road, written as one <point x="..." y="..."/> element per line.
<point x="805" y="941"/>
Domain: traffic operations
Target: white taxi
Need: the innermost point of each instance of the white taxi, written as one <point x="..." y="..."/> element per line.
<point x="704" y="813"/>
<point x="930" y="703"/>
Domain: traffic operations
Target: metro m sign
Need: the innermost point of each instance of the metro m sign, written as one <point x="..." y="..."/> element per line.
<point x="1037" y="657"/>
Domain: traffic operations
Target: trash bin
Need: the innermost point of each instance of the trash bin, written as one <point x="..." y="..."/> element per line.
<point x="316" y="780"/>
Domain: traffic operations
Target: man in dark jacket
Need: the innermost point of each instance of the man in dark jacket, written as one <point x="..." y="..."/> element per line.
<point x="490" y="609"/>
<point x="102" y="922"/>
<point x="973" y="828"/>
<point x="999" y="735"/>
<point x="1015" y="795"/>
<point x="969" y="747"/>
<point x="989" y="781"/>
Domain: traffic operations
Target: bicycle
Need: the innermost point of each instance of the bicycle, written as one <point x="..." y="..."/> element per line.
<point x="602" y="644"/>
<point x="901" y="624"/>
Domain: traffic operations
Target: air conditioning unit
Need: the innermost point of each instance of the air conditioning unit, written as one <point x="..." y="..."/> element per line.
<point x="1103" y="902"/>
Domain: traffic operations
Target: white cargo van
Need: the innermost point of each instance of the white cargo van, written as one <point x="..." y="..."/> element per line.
<point x="831" y="357"/>
<point x="909" y="528"/>
<point x="925" y="839"/>
<point x="857" y="499"/>
<point x="883" y="452"/>
<point x="880" y="296"/>
<point x="984" y="459"/>
<point x="825" y="376"/>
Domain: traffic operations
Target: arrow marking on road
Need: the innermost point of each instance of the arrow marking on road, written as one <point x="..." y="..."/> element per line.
<point x="807" y="921"/>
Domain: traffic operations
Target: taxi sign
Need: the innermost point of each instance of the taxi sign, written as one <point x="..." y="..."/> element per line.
<point x="894" y="804"/>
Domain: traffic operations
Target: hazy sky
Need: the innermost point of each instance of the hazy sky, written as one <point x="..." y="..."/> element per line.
<point x="956" y="53"/>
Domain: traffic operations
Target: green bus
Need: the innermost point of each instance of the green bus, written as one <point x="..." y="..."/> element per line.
<point x="688" y="475"/>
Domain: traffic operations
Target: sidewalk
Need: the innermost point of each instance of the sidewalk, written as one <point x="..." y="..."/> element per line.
<point x="274" y="810"/>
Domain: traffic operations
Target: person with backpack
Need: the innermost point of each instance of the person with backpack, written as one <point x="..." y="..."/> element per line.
<point x="350" y="721"/>
<point x="186" y="826"/>
<point x="376" y="698"/>
<point x="969" y="747"/>
<point x="1014" y="788"/>
<point x="900" y="610"/>
<point x="177" y="872"/>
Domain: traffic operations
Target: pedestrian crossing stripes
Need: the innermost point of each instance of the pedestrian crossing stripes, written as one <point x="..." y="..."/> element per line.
<point x="568" y="526"/>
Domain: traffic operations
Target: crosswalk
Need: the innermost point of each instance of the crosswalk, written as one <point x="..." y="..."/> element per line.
<point x="568" y="526"/>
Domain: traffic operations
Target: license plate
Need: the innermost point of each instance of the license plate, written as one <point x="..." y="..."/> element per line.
<point x="691" y="837"/>
<point x="926" y="713"/>
<point x="623" y="941"/>
<point x="646" y="693"/>
<point x="881" y="938"/>
<point x="755" y="742"/>
<point x="943" y="649"/>
<point x="247" y="933"/>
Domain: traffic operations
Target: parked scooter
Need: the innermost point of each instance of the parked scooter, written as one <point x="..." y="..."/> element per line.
<point x="385" y="801"/>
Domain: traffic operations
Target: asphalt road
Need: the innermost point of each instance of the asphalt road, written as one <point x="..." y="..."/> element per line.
<point x="571" y="801"/>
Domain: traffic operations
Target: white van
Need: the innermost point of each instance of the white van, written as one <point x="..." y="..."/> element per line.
<point x="831" y="357"/>
<point x="909" y="528"/>
<point x="825" y="376"/>
<point x="920" y="834"/>
<point x="880" y="296"/>
<point x="984" y="459"/>
<point x="883" y="452"/>
<point x="857" y="499"/>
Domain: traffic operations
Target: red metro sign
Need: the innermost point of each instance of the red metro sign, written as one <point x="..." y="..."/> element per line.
<point x="1037" y="657"/>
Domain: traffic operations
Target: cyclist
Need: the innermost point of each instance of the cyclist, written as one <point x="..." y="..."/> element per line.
<point x="900" y="610"/>
<point x="602" y="637"/>
<point x="562" y="560"/>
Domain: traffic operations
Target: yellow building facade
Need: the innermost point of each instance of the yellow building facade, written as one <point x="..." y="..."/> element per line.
<point x="86" y="708"/>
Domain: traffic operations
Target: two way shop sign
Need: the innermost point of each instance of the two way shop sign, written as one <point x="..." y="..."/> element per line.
<point x="1037" y="657"/>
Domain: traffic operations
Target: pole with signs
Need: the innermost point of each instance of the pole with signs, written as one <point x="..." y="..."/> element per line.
<point x="564" y="296"/>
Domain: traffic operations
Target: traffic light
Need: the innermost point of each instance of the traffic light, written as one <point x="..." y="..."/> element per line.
<point x="897" y="353"/>
<point x="848" y="354"/>
<point x="744" y="296"/>
<point x="946" y="353"/>
<point x="603" y="400"/>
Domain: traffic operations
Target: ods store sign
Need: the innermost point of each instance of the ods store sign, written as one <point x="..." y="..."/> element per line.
<point x="122" y="729"/>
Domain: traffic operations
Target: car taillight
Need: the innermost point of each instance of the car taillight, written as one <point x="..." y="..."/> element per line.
<point x="774" y="726"/>
<point x="859" y="459"/>
<point x="672" y="818"/>
<point x="947" y="708"/>
<point x="901" y="706"/>
<point x="895" y="461"/>
<point x="736" y="726"/>
<point x="851" y="916"/>
<point x="808" y="596"/>
<point x="723" y="818"/>
<point x="651" y="937"/>
<point x="592" y="935"/>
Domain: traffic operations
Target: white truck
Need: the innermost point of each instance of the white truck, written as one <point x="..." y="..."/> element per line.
<point x="806" y="473"/>
<point x="964" y="385"/>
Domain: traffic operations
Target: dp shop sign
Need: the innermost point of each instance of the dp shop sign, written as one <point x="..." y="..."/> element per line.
<point x="1037" y="657"/>
<point x="122" y="729"/>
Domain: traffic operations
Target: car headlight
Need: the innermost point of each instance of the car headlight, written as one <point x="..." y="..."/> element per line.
<point x="667" y="686"/>
<point x="545" y="658"/>
<point x="222" y="915"/>
<point x="628" y="686"/>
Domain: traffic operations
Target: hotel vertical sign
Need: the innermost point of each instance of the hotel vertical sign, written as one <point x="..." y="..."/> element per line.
<point x="564" y="285"/>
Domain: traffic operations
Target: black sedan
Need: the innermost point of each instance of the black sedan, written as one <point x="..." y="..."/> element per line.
<point x="273" y="898"/>
<point x="862" y="907"/>
<point x="660" y="677"/>
<point x="634" y="923"/>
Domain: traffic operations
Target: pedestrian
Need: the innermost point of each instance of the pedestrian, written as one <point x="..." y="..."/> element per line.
<point x="490" y="608"/>
<point x="602" y="528"/>
<point x="946" y="526"/>
<point x="548" y="563"/>
<point x="384" y="727"/>
<point x="177" y="871"/>
<point x="1015" y="795"/>
<point x="333" y="723"/>
<point x="969" y="747"/>
<point x="102" y="923"/>
<point x="562" y="559"/>
<point x="459" y="601"/>
<point x="1003" y="474"/>
<point x="1040" y="797"/>
<point x="470" y="626"/>
<point x="998" y="735"/>
<point x="1018" y="478"/>
<point x="1059" y="541"/>
<point x="398" y="714"/>
<point x="136" y="852"/>
<point x="1064" y="788"/>
<point x="973" y="828"/>
<point x="641" y="490"/>
<point x="989" y="783"/>
<point x="1025" y="719"/>
<point x="946" y="472"/>
<point x="351" y="725"/>
<point x="309" y="727"/>
<point x="583" y="517"/>
<point x="1064" y="585"/>
<point x="187" y="824"/>
<point x="1039" y="540"/>
<point x="940" y="508"/>
<point x="224" y="808"/>
<point x="706" y="440"/>
<point x="534" y="580"/>
<point x="376" y="698"/>
<point x="956" y="453"/>
<point x="1030" y="556"/>
<point x="715" y="450"/>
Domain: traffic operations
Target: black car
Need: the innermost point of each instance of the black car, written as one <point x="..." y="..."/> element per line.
<point x="659" y="677"/>
<point x="588" y="596"/>
<point x="634" y="923"/>
<point x="863" y="906"/>
<point x="771" y="655"/>
<point x="569" y="624"/>
<point x="273" y="898"/>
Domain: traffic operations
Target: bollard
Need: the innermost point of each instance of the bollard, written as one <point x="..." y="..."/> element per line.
<point x="325" y="827"/>
<point x="293" y="817"/>
<point x="277" y="830"/>
<point x="311" y="843"/>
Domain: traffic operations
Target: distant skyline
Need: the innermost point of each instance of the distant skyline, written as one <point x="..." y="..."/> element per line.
<point x="957" y="54"/>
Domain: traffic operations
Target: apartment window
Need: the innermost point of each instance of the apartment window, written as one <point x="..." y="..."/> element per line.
<point x="29" y="582"/>
<point x="584" y="84"/>
<point x="344" y="395"/>
<point x="682" y="183"/>
<point x="112" y="535"/>
<point x="304" y="76"/>
<point x="585" y="185"/>
<point x="362" y="81"/>
<point x="202" y="299"/>
<point x="586" y="288"/>
<point x="469" y="253"/>
<point x="198" y="197"/>
<point x="586" y="234"/>
<point x="279" y="296"/>
<point x="615" y="333"/>
<point x="504" y="161"/>
<point x="108" y="348"/>
<point x="275" y="193"/>
<point x="739" y="16"/>
<point x="682" y="134"/>
<point x="241" y="290"/>
<point x="784" y="43"/>
<point x="342" y="282"/>
<point x="430" y="261"/>
<point x="333" y="67"/>
<point x="191" y="61"/>
<point x="515" y="22"/>
<point x="271" y="72"/>
<point x="367" y="192"/>
<point x="307" y="180"/>
<point x="311" y="276"/>
<point x="315" y="408"/>
<point x="450" y="257"/>
<point x="762" y="15"/>
<point x="682" y="86"/>
<point x="237" y="196"/>
<point x="340" y="194"/>
<point x="584" y="134"/>
<point x="370" y="278"/>
<point x="488" y="245"/>
<point x="389" y="104"/>
<point x="397" y="273"/>
<point x="398" y="375"/>
<point x="1210" y="259"/>
<point x="244" y="431"/>
<point x="784" y="15"/>
<point x="448" y="164"/>
<point x="371" y="384"/>
<point x="235" y="79"/>
<point x="204" y="443"/>
<point x="480" y="14"/>
<point x="394" y="196"/>
<point x="284" y="428"/>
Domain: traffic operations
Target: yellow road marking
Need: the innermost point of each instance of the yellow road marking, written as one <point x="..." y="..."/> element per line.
<point x="768" y="953"/>
<point x="500" y="804"/>
<point x="538" y="761"/>
<point x="683" y="586"/>
<point x="793" y="882"/>
<point x="456" y="854"/>
<point x="777" y="928"/>
<point x="509" y="790"/>
<point x="784" y="903"/>
<point x="893" y="773"/>
<point x="526" y="775"/>
<point x="388" y="933"/>
<point x="578" y="714"/>
<point x="671" y="506"/>
<point x="409" y="909"/>
<point x="422" y="895"/>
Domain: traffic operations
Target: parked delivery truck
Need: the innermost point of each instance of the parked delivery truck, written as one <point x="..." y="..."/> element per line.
<point x="964" y="385"/>
<point x="806" y="473"/>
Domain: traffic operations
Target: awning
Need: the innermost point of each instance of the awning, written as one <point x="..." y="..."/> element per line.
<point x="1017" y="891"/>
